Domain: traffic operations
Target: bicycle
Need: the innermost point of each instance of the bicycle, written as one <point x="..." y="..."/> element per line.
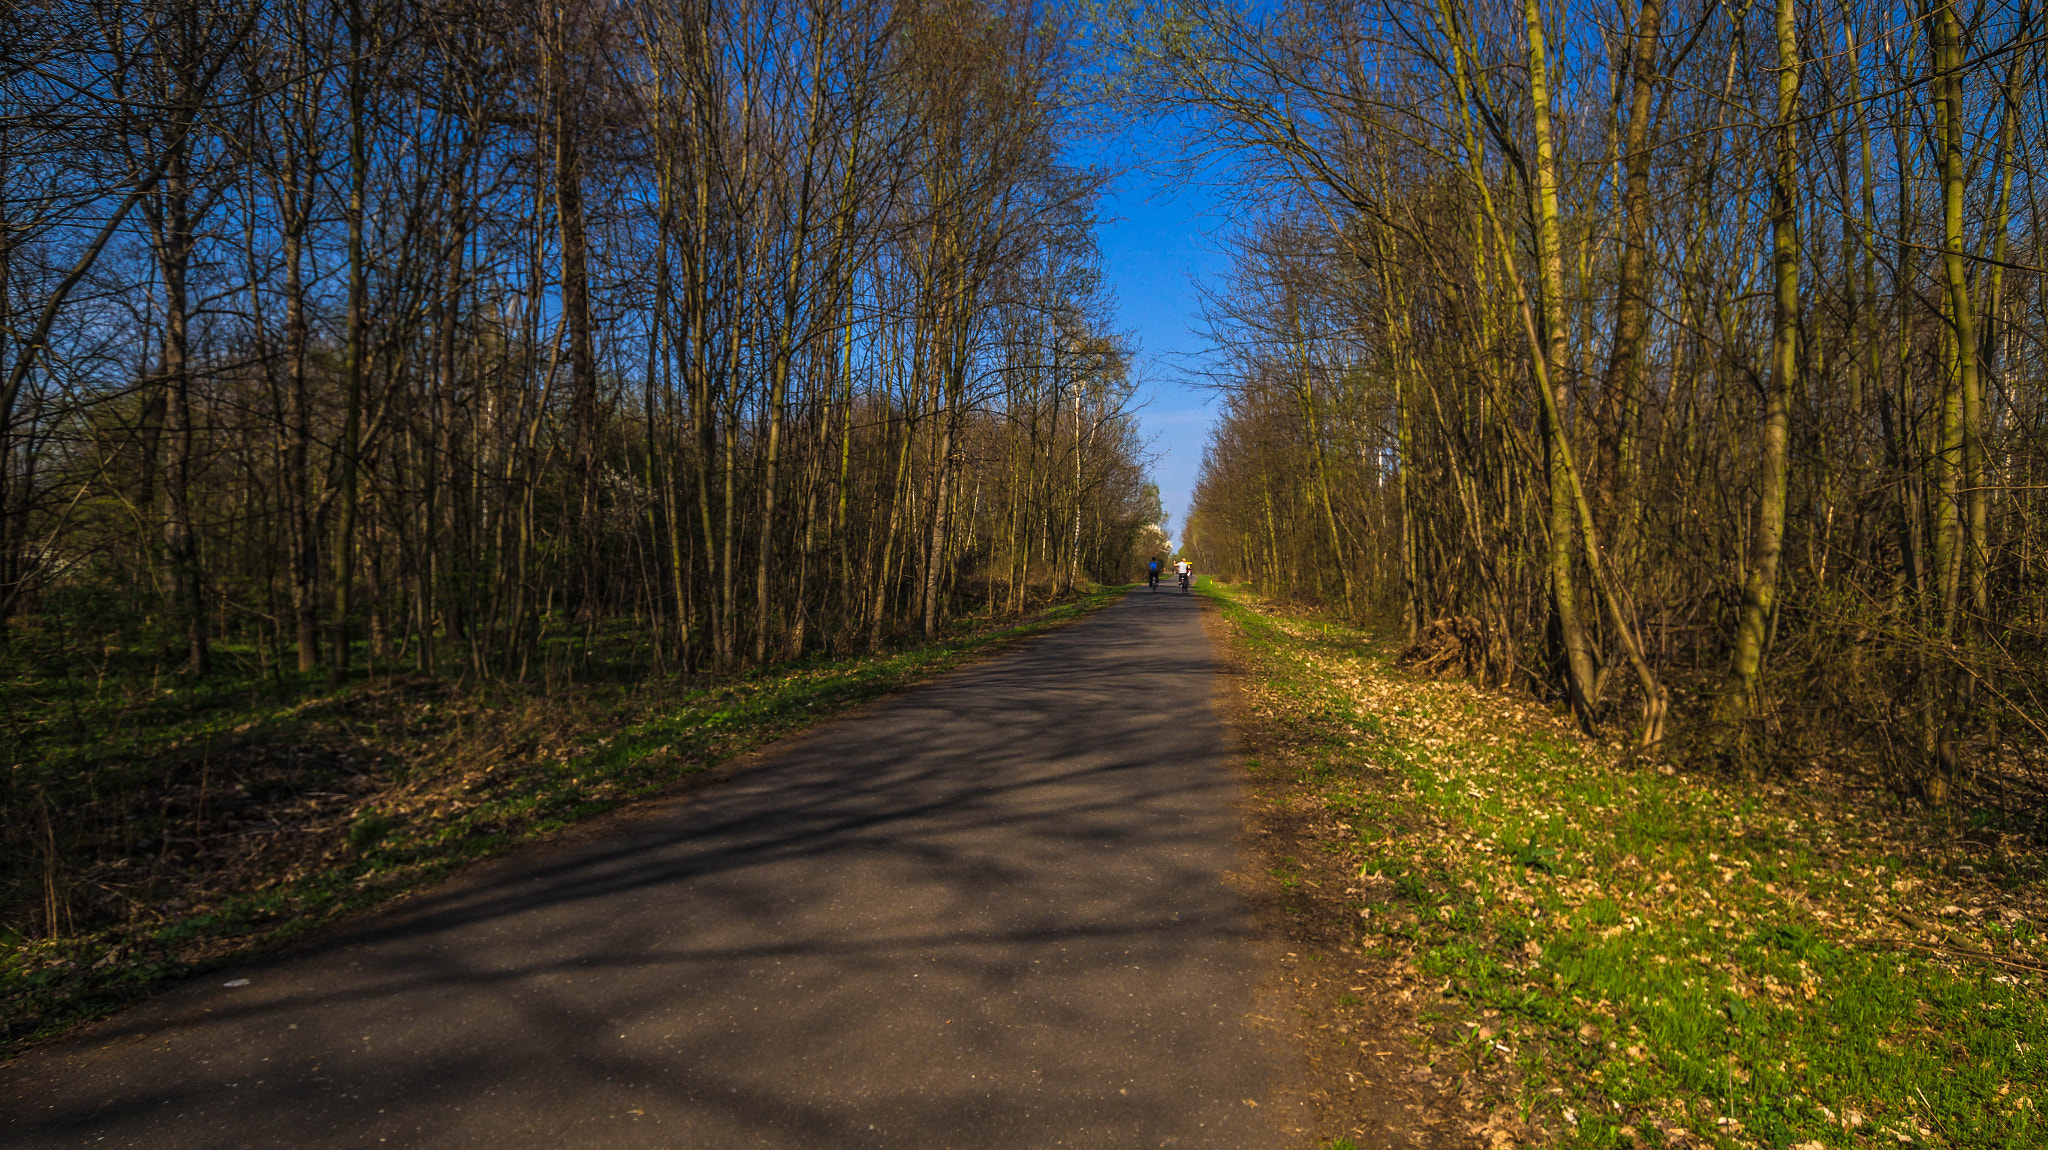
<point x="1185" y="580"/>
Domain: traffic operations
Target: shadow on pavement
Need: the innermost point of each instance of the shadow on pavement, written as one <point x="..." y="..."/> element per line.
<point x="988" y="913"/>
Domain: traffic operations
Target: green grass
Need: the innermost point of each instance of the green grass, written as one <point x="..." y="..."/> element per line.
<point x="1655" y="955"/>
<point x="491" y="770"/>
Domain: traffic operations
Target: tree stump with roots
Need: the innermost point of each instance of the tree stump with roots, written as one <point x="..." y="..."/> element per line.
<point x="1453" y="647"/>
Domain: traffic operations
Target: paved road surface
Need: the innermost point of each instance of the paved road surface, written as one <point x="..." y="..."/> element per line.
<point x="987" y="914"/>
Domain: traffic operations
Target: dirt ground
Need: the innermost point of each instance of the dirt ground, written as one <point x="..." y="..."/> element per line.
<point x="1381" y="1069"/>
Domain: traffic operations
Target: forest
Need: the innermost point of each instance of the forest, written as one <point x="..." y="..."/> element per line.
<point x="492" y="343"/>
<point x="381" y="331"/>
<point x="1680" y="363"/>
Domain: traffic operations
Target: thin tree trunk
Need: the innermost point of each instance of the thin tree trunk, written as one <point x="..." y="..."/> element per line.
<point x="358" y="339"/>
<point x="1738" y="694"/>
<point x="1550" y="276"/>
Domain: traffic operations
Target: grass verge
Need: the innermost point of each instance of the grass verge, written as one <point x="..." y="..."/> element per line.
<point x="262" y="823"/>
<point x="1624" y="955"/>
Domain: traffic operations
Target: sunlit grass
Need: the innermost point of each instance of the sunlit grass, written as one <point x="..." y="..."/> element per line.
<point x="1666" y="958"/>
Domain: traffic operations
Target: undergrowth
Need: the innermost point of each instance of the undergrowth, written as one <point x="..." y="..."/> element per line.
<point x="1650" y="957"/>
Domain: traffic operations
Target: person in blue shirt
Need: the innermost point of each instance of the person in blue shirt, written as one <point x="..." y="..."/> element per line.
<point x="1152" y="574"/>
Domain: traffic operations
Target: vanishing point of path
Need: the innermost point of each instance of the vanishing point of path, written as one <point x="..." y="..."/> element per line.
<point x="990" y="912"/>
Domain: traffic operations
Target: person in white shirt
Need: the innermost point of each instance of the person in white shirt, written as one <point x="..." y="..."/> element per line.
<point x="1186" y="572"/>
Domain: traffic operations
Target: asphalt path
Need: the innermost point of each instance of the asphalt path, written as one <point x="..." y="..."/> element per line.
<point x="989" y="912"/>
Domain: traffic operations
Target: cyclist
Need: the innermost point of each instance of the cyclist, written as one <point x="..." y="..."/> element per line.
<point x="1152" y="574"/>
<point x="1185" y="572"/>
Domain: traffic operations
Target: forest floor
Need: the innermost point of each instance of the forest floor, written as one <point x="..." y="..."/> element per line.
<point x="1504" y="930"/>
<point x="191" y="830"/>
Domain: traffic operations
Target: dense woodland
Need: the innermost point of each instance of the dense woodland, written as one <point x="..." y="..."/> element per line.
<point x="360" y="335"/>
<point x="1681" y="361"/>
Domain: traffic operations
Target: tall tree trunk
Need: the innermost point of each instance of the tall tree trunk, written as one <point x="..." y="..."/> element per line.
<point x="1737" y="697"/>
<point x="357" y="348"/>
<point x="785" y="346"/>
<point x="296" y="192"/>
<point x="1564" y="598"/>
<point x="954" y="365"/>
<point x="181" y="544"/>
<point x="569" y="222"/>
<point x="10" y="532"/>
<point x="1621" y="385"/>
<point x="1961" y="348"/>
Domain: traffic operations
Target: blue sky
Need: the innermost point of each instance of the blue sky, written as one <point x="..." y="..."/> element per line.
<point x="1159" y="237"/>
